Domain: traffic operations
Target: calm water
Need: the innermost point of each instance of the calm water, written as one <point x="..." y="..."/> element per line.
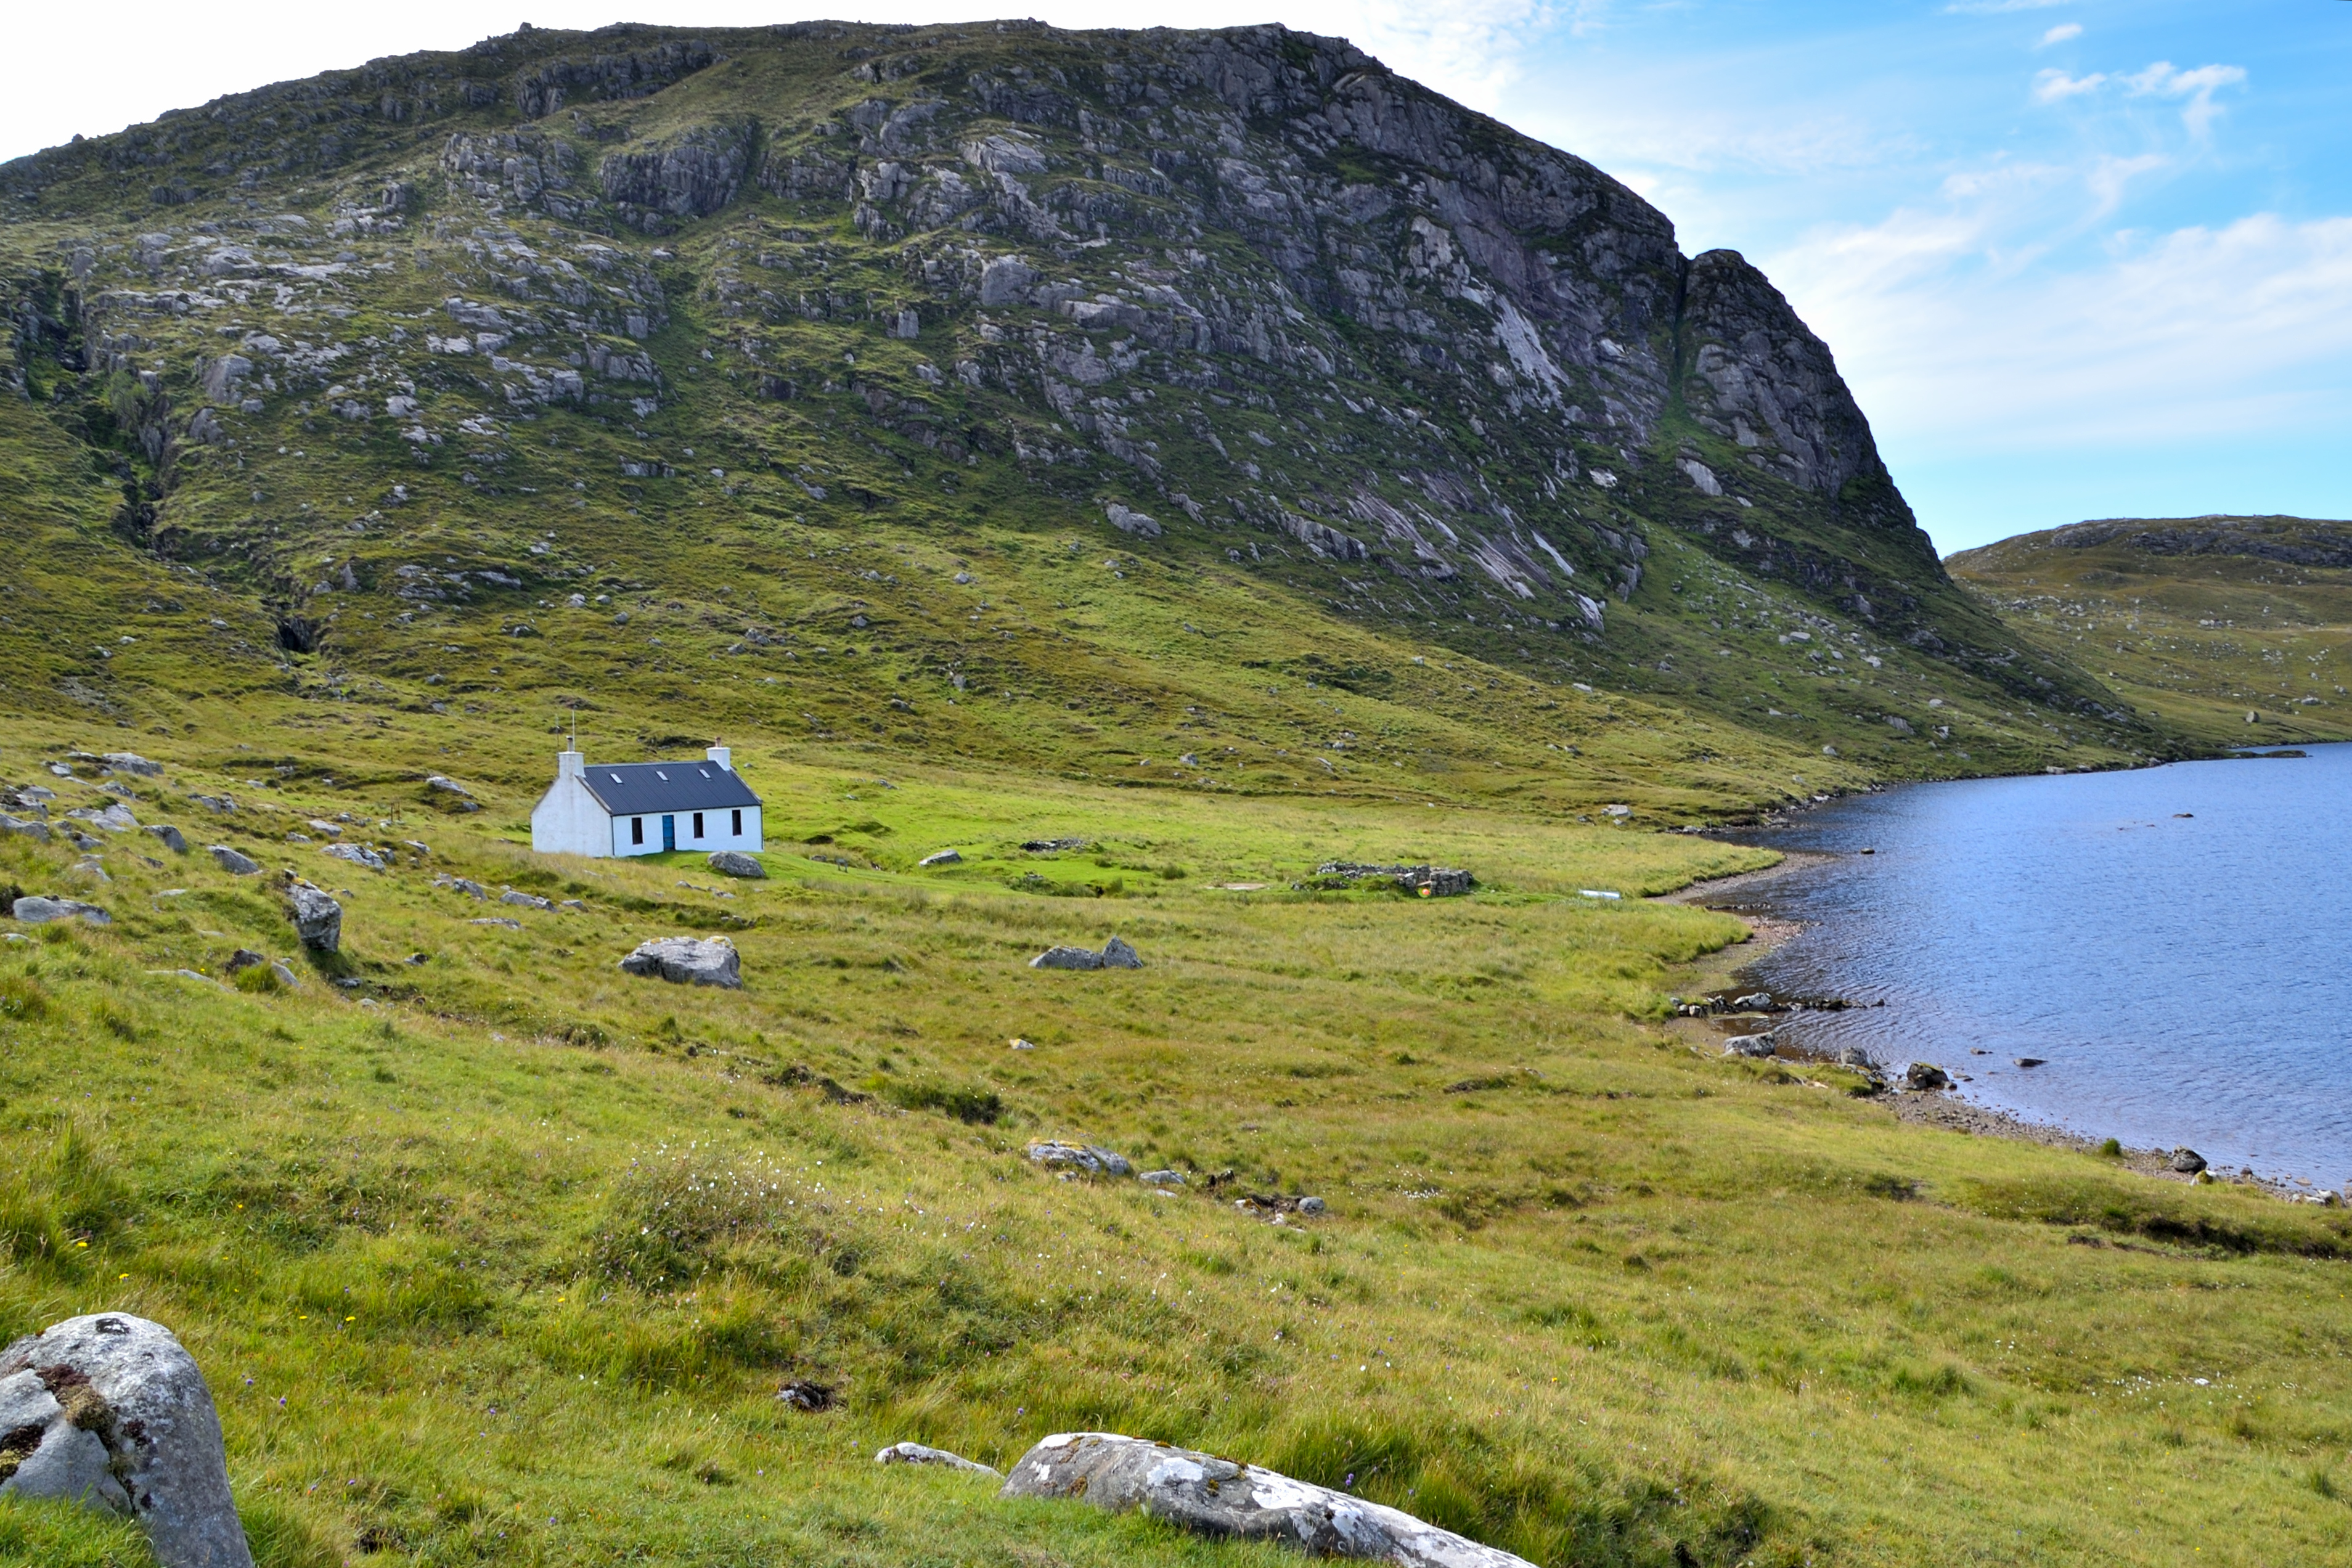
<point x="2184" y="977"/>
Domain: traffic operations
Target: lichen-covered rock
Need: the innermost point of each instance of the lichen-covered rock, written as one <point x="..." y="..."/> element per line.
<point x="38" y="911"/>
<point x="1084" y="1157"/>
<point x="111" y="1411"/>
<point x="735" y="863"/>
<point x="1115" y="954"/>
<point x="916" y="1454"/>
<point x="318" y="918"/>
<point x="1217" y="1497"/>
<point x="688" y="961"/>
<point x="691" y="175"/>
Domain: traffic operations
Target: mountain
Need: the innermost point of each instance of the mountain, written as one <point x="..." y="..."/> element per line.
<point x="1212" y="406"/>
<point x="2231" y="630"/>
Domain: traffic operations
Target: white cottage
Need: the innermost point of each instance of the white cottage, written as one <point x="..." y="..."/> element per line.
<point x="638" y="808"/>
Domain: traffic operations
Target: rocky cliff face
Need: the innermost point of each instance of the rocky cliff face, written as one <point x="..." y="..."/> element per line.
<point x="1248" y="293"/>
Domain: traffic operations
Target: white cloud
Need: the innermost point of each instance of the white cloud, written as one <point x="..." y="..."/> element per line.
<point x="2064" y="32"/>
<point x="2054" y="86"/>
<point x="1996" y="8"/>
<point x="2163" y="79"/>
<point x="2196" y="333"/>
<point x="2109" y="176"/>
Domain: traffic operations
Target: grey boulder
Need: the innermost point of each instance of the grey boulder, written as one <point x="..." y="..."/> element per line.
<point x="318" y="918"/>
<point x="37" y="910"/>
<point x="688" y="961"/>
<point x="173" y="839"/>
<point x="37" y="831"/>
<point x="916" y="1454"/>
<point x="1115" y="954"/>
<point x="1210" y="1496"/>
<point x="1161" y="1178"/>
<point x="357" y="854"/>
<point x="235" y="864"/>
<point x="1084" y="1157"/>
<point x="1923" y="1075"/>
<point x="2188" y="1161"/>
<point x="944" y="857"/>
<point x="1748" y="1046"/>
<point x="132" y="762"/>
<point x="120" y="1419"/>
<point x="735" y="863"/>
<point x="524" y="900"/>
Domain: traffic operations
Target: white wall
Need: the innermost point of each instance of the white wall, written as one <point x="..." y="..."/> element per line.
<point x="652" y="846"/>
<point x="717" y="833"/>
<point x="568" y="820"/>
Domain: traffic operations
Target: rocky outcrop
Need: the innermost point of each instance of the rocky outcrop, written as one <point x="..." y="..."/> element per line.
<point x="735" y="863"/>
<point x="687" y="961"/>
<point x="691" y="175"/>
<point x="541" y="90"/>
<point x="1756" y="375"/>
<point x="1095" y="1162"/>
<point x="111" y="1412"/>
<point x="1115" y="954"/>
<point x="1210" y="1495"/>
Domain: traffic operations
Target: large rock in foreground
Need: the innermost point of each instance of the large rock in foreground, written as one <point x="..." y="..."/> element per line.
<point x="1218" y="1497"/>
<point x="118" y="1417"/>
<point x="735" y="863"/>
<point x="688" y="961"/>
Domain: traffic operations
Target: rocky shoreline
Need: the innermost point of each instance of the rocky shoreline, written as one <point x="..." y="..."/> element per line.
<point x="1941" y="1108"/>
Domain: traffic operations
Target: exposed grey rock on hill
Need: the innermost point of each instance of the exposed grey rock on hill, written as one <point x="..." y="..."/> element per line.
<point x="1247" y="298"/>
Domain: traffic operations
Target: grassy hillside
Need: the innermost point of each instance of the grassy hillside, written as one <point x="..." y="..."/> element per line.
<point x="387" y="425"/>
<point x="495" y="1255"/>
<point x="383" y="370"/>
<point x="2231" y="630"/>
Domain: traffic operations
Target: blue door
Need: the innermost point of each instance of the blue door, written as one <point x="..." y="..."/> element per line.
<point x="669" y="832"/>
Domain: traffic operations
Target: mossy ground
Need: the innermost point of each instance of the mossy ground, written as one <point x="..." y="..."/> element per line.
<point x="501" y="1255"/>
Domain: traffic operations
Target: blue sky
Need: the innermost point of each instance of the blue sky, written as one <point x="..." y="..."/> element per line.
<point x="2077" y="258"/>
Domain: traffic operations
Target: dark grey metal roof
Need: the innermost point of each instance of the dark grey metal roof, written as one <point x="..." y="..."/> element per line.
<point x="636" y="789"/>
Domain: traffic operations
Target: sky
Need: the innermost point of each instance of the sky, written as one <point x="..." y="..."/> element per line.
<point x="2077" y="258"/>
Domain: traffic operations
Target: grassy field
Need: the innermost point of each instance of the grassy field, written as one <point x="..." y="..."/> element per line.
<point x="2214" y="642"/>
<point x="500" y="1256"/>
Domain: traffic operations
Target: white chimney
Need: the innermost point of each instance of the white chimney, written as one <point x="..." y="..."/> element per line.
<point x="570" y="764"/>
<point x="723" y="757"/>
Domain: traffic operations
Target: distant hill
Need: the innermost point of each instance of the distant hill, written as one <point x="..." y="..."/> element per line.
<point x="2232" y="629"/>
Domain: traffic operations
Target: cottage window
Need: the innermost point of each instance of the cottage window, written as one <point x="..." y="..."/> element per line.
<point x="636" y="830"/>
<point x="698" y="825"/>
<point x="739" y="824"/>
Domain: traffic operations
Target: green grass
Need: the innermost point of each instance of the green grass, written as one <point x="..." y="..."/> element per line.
<point x="495" y="1255"/>
<point x="527" y="1240"/>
